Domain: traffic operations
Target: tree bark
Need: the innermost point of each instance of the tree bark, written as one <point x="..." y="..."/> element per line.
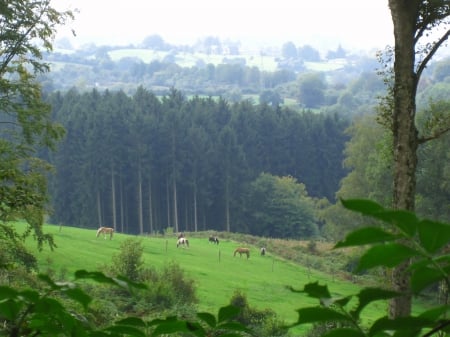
<point x="150" y="206"/>
<point x="405" y="135"/>
<point x="140" y="201"/>
<point x="113" y="199"/>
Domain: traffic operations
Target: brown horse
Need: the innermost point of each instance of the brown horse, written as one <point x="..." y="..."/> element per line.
<point x="105" y="231"/>
<point x="241" y="251"/>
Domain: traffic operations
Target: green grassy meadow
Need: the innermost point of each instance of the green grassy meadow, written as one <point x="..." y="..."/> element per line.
<point x="217" y="273"/>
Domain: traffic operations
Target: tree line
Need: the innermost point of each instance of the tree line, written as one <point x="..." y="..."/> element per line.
<point x="143" y="163"/>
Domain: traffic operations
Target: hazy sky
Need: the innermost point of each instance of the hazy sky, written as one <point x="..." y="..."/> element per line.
<point x="355" y="24"/>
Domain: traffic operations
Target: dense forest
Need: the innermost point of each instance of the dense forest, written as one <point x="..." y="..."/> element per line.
<point x="143" y="156"/>
<point x="143" y="163"/>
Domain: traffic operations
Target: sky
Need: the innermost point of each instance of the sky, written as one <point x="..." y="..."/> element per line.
<point x="352" y="24"/>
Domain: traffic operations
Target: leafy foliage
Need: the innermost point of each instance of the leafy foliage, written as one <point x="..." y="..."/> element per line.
<point x="29" y="312"/>
<point x="423" y="241"/>
<point x="26" y="28"/>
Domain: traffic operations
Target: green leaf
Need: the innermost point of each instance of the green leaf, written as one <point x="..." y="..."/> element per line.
<point x="234" y="326"/>
<point x="7" y="292"/>
<point x="366" y="236"/>
<point x="342" y="301"/>
<point x="410" y="324"/>
<point x="30" y="296"/>
<point x="316" y="291"/>
<point x="207" y="318"/>
<point x="388" y="255"/>
<point x="433" y="235"/>
<point x="343" y="332"/>
<point x="228" y="312"/>
<point x="94" y="275"/>
<point x="424" y="277"/>
<point x="126" y="330"/>
<point x="365" y="207"/>
<point x="436" y="313"/>
<point x="406" y="221"/>
<point x="79" y="296"/>
<point x="45" y="278"/>
<point x="319" y="314"/>
<point x="369" y="295"/>
<point x="132" y="321"/>
<point x="169" y="327"/>
<point x="10" y="309"/>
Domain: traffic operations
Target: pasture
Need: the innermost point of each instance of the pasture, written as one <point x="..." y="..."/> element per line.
<point x="216" y="272"/>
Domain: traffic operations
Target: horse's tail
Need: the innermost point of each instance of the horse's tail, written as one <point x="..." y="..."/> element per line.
<point x="112" y="233"/>
<point x="187" y="242"/>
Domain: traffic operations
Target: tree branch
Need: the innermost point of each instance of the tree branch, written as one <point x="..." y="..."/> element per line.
<point x="422" y="65"/>
<point x="435" y="135"/>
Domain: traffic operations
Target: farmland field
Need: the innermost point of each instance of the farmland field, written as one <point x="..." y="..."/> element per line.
<point x="216" y="272"/>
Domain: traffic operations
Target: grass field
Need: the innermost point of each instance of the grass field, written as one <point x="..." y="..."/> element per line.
<point x="217" y="273"/>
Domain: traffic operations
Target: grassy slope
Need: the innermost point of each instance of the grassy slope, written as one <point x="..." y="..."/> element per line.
<point x="216" y="272"/>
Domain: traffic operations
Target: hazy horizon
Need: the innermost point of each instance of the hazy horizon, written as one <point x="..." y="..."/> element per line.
<point x="353" y="24"/>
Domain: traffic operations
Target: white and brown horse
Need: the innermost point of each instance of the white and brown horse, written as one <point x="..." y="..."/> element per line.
<point x="183" y="242"/>
<point x="105" y="231"/>
<point x="241" y="251"/>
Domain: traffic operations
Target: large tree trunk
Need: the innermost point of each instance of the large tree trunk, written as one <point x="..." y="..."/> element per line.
<point x="404" y="17"/>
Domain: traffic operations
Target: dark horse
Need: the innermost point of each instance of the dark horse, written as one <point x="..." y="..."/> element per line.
<point x="183" y="242"/>
<point x="241" y="251"/>
<point x="214" y="239"/>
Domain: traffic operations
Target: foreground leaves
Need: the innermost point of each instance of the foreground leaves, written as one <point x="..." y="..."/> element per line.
<point x="31" y="313"/>
<point x="401" y="237"/>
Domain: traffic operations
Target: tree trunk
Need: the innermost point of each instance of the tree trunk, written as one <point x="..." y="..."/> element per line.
<point x="122" y="210"/>
<point x="404" y="17"/>
<point x="175" y="206"/>
<point x="195" y="208"/>
<point x="113" y="199"/>
<point x="99" y="209"/>
<point x="150" y="206"/>
<point x="227" y="203"/>
<point x="168" y="203"/>
<point x="140" y="201"/>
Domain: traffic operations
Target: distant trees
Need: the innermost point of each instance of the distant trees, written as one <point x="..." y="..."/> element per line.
<point x="155" y="42"/>
<point x="308" y="53"/>
<point x="289" y="50"/>
<point x="311" y="90"/>
<point x="142" y="163"/>
<point x="280" y="207"/>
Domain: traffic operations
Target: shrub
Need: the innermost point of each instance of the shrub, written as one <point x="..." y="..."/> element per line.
<point x="129" y="261"/>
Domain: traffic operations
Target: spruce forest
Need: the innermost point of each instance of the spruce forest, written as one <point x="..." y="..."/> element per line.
<point x="143" y="163"/>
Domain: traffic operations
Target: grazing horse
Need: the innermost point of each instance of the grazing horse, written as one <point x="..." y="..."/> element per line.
<point x="183" y="242"/>
<point x="241" y="251"/>
<point x="214" y="239"/>
<point x="104" y="231"/>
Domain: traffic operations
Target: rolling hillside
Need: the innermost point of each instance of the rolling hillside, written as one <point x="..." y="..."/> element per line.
<point x="217" y="273"/>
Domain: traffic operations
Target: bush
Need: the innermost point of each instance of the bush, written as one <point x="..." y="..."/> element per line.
<point x="129" y="261"/>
